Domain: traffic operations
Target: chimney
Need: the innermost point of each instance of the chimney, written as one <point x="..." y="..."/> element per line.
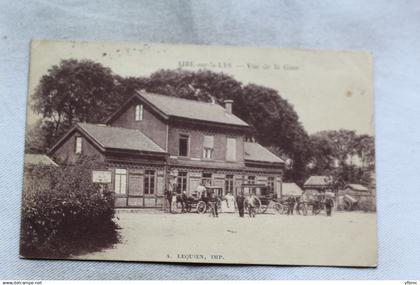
<point x="228" y="105"/>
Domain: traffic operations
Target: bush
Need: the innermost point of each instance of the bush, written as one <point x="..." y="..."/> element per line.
<point x="69" y="217"/>
<point x="367" y="204"/>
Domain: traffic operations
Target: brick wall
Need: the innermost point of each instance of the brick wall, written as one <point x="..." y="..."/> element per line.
<point x="151" y="126"/>
<point x="196" y="139"/>
<point x="66" y="152"/>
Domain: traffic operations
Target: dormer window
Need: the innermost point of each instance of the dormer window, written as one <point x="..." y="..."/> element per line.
<point x="139" y="112"/>
<point x="78" y="145"/>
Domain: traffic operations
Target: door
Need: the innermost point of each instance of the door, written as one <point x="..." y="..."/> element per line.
<point x="135" y="190"/>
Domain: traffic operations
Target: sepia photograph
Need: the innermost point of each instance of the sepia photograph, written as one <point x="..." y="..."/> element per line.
<point x="199" y="154"/>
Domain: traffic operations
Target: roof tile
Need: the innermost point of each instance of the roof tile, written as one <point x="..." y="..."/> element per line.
<point x="256" y="152"/>
<point x="190" y="109"/>
<point x="120" y="138"/>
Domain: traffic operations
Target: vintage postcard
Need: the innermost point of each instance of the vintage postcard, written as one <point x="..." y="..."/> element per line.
<point x="199" y="154"/>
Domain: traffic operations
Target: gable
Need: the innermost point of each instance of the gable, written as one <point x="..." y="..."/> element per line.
<point x="64" y="149"/>
<point x="166" y="107"/>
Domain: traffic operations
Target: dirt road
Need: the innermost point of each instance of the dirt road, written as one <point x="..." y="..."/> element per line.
<point x="346" y="238"/>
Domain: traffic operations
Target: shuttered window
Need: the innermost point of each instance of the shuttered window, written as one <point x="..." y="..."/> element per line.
<point x="231" y="149"/>
<point x="208" y="147"/>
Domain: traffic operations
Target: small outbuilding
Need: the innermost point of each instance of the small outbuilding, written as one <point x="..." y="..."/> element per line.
<point x="290" y="189"/>
<point x="318" y="184"/>
<point x="39" y="159"/>
<point x="356" y="190"/>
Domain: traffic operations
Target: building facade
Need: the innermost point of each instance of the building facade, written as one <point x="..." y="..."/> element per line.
<point x="152" y="139"/>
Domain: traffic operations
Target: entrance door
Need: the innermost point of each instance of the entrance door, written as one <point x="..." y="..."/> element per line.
<point x="135" y="190"/>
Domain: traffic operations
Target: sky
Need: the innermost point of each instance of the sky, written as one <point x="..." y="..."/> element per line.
<point x="329" y="90"/>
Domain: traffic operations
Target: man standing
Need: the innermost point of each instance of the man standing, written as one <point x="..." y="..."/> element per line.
<point x="168" y="196"/>
<point x="173" y="191"/>
<point x="240" y="200"/>
<point x="200" y="190"/>
<point x="291" y="205"/>
<point x="251" y="202"/>
<point x="329" y="203"/>
<point x="184" y="202"/>
<point x="213" y="204"/>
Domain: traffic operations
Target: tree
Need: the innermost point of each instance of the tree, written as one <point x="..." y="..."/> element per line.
<point x="86" y="91"/>
<point x="333" y="153"/>
<point x="365" y="149"/>
<point x="74" y="91"/>
<point x="203" y="85"/>
<point x="69" y="215"/>
<point x="36" y="138"/>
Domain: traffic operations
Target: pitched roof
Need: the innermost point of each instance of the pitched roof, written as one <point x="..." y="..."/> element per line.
<point x="120" y="138"/>
<point x="256" y="152"/>
<point x="291" y="189"/>
<point x="38" y="159"/>
<point x="357" y="187"/>
<point x="318" y="181"/>
<point x="190" y="109"/>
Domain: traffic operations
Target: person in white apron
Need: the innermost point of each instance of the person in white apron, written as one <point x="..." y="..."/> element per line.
<point x="228" y="203"/>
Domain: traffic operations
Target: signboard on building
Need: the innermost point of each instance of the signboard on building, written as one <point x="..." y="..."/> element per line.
<point x="101" y="176"/>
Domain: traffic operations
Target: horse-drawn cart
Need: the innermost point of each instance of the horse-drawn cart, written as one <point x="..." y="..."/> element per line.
<point x="265" y="198"/>
<point x="199" y="202"/>
<point x="314" y="204"/>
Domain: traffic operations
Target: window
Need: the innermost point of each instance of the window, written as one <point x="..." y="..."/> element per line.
<point x="231" y="149"/>
<point x="206" y="179"/>
<point x="183" y="145"/>
<point x="78" y="145"/>
<point x="139" y="112"/>
<point x="270" y="184"/>
<point x="229" y="183"/>
<point x="149" y="182"/>
<point x="251" y="179"/>
<point x="208" y="147"/>
<point x="120" y="181"/>
<point x="182" y="181"/>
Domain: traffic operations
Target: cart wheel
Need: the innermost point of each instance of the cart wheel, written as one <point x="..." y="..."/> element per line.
<point x="278" y="208"/>
<point x="347" y="205"/>
<point x="263" y="209"/>
<point x="201" y="207"/>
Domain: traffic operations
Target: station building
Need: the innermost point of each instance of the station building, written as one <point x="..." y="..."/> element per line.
<point x="153" y="137"/>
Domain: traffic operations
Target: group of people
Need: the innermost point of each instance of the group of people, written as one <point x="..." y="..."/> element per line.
<point x="249" y="203"/>
<point x="174" y="197"/>
<point x="302" y="201"/>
